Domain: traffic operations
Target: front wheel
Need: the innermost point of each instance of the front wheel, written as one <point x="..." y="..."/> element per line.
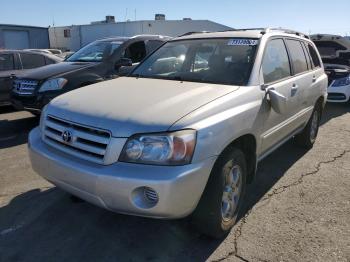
<point x="220" y="203"/>
<point x="308" y="136"/>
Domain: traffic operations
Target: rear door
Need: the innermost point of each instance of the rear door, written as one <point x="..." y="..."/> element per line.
<point x="7" y="67"/>
<point x="277" y="74"/>
<point x="304" y="79"/>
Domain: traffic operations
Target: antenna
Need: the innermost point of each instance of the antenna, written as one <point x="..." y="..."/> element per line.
<point x="135" y="14"/>
<point x="126" y="14"/>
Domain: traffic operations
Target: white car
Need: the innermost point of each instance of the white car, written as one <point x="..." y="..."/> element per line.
<point x="339" y="83"/>
<point x="335" y="54"/>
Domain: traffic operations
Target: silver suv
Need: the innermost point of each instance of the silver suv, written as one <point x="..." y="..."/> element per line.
<point x="183" y="133"/>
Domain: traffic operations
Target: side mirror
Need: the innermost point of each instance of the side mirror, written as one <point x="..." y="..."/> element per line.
<point x="125" y="70"/>
<point x="278" y="101"/>
<point x="123" y="62"/>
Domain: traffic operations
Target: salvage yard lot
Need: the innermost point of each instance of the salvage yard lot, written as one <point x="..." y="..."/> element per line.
<point x="298" y="208"/>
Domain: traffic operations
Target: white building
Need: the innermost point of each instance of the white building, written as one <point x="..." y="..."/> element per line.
<point x="74" y="37"/>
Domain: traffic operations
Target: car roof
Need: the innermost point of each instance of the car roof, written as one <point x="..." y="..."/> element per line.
<point x="245" y="33"/>
<point x="140" y="37"/>
<point x="14" y="51"/>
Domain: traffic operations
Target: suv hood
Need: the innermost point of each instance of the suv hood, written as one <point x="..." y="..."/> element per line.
<point x="48" y="71"/>
<point x="127" y="106"/>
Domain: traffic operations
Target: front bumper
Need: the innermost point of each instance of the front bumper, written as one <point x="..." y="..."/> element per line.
<point x="115" y="187"/>
<point x="33" y="103"/>
<point x="339" y="94"/>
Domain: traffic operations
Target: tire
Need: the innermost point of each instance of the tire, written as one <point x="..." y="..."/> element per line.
<point x="213" y="216"/>
<point x="307" y="137"/>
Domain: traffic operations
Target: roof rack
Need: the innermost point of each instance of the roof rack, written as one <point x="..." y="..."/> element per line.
<point x="194" y="32"/>
<point x="287" y="31"/>
<point x="264" y="30"/>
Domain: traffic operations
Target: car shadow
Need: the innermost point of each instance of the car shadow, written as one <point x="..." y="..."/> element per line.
<point x="48" y="226"/>
<point x="15" y="132"/>
<point x="333" y="110"/>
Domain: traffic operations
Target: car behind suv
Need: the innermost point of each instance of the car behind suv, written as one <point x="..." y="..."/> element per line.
<point x="184" y="132"/>
<point x="95" y="62"/>
<point x="13" y="62"/>
<point x="335" y="54"/>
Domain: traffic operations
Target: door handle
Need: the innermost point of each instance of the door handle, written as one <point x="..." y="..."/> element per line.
<point x="294" y="89"/>
<point x="314" y="79"/>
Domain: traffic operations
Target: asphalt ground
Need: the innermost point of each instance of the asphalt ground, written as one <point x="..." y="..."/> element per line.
<point x="298" y="209"/>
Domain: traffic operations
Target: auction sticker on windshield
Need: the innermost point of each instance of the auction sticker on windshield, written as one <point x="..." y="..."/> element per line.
<point x="242" y="42"/>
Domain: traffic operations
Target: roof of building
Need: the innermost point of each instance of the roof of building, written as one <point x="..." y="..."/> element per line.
<point x="26" y="26"/>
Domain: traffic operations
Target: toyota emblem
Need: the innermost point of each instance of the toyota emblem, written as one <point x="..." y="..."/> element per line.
<point x="67" y="136"/>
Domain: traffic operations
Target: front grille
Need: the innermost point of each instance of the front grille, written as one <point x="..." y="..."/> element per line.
<point x="25" y="86"/>
<point x="78" y="140"/>
<point x="336" y="96"/>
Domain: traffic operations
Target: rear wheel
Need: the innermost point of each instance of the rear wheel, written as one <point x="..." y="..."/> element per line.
<point x="220" y="203"/>
<point x="308" y="136"/>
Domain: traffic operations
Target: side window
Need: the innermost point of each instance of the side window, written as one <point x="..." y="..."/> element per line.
<point x="153" y="45"/>
<point x="314" y="57"/>
<point x="309" y="66"/>
<point x="32" y="60"/>
<point x="136" y="52"/>
<point x="6" y="62"/>
<point x="275" y="65"/>
<point x="298" y="58"/>
<point x="49" y="61"/>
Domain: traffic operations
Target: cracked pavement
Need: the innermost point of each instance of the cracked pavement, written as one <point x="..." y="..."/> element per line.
<point x="298" y="209"/>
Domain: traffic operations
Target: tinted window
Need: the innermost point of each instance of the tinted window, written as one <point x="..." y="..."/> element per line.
<point x="6" y="62"/>
<point x="309" y="66"/>
<point x="275" y="65"/>
<point x="298" y="58"/>
<point x="32" y="61"/>
<point x="136" y="52"/>
<point x="314" y="57"/>
<point x="153" y="45"/>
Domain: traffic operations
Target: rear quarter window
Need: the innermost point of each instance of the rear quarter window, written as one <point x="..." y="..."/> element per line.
<point x="315" y="60"/>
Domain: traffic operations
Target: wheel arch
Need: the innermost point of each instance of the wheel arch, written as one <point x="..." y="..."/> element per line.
<point x="248" y="145"/>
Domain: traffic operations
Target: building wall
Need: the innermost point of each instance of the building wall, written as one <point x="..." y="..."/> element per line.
<point x="59" y="41"/>
<point x="85" y="34"/>
<point x="37" y="37"/>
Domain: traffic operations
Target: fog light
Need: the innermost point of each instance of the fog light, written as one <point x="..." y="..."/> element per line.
<point x="150" y="194"/>
<point x="144" y="197"/>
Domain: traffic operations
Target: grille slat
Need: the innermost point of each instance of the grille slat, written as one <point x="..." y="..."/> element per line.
<point x="84" y="142"/>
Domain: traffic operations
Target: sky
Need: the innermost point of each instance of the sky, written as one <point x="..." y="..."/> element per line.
<point x="309" y="16"/>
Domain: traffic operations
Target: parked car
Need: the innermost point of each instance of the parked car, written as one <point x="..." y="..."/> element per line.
<point x="335" y="54"/>
<point x="96" y="62"/>
<point x="13" y="62"/>
<point x="167" y="144"/>
<point x="56" y="52"/>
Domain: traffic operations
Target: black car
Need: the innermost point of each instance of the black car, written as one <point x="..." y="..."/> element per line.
<point x="98" y="61"/>
<point x="13" y="62"/>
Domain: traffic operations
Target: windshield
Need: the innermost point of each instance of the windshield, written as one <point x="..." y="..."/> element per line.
<point x="94" y="52"/>
<point x="218" y="61"/>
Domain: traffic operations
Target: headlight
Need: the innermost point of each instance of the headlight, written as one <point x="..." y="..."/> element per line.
<point x="345" y="81"/>
<point x="53" y="84"/>
<point x="174" y="148"/>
